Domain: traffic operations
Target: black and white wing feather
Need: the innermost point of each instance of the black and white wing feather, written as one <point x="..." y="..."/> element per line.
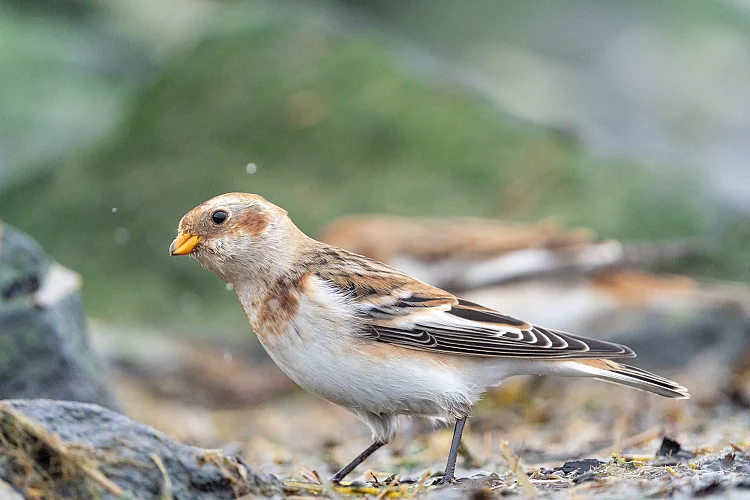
<point x="470" y="329"/>
<point x="401" y="310"/>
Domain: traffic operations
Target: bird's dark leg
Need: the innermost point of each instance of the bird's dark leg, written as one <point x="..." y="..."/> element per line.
<point x="450" y="469"/>
<point x="375" y="446"/>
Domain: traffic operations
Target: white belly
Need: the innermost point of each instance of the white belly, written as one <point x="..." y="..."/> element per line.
<point x="326" y="358"/>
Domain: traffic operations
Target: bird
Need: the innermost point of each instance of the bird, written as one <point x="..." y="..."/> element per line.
<point x="372" y="339"/>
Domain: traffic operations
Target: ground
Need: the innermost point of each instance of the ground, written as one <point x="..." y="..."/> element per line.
<point x="547" y="423"/>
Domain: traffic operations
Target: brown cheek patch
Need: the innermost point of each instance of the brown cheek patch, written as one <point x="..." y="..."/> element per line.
<point x="253" y="223"/>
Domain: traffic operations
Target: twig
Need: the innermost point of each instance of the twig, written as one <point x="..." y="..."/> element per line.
<point x="388" y="489"/>
<point x="166" y="492"/>
<point x="515" y="465"/>
<point x="422" y="480"/>
<point x="310" y="475"/>
<point x="297" y="486"/>
<point x="291" y="487"/>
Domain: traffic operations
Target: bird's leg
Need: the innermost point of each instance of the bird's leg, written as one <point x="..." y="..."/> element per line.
<point x="375" y="446"/>
<point x="450" y="468"/>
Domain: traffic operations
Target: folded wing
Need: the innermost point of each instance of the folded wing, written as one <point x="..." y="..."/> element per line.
<point x="398" y="309"/>
<point x="470" y="329"/>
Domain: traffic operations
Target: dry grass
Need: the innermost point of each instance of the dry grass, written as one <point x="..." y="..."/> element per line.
<point x="42" y="463"/>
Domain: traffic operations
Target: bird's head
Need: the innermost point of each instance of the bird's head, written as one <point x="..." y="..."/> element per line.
<point x="236" y="235"/>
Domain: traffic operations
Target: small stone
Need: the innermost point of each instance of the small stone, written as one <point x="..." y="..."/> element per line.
<point x="580" y="466"/>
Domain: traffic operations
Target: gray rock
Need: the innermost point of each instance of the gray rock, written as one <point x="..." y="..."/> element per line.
<point x="122" y="450"/>
<point x="44" y="349"/>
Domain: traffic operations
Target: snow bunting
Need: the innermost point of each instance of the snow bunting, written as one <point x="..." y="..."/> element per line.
<point x="372" y="339"/>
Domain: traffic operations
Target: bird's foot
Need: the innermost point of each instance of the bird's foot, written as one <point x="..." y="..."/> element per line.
<point x="444" y="481"/>
<point x="336" y="481"/>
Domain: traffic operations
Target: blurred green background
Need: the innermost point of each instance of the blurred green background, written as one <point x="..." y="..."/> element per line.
<point x="116" y="118"/>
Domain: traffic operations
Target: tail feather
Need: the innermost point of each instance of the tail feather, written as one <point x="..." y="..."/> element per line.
<point x="610" y="371"/>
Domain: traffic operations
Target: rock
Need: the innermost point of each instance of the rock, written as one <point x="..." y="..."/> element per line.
<point x="671" y="453"/>
<point x="461" y="254"/>
<point x="44" y="349"/>
<point x="79" y="450"/>
<point x="579" y="466"/>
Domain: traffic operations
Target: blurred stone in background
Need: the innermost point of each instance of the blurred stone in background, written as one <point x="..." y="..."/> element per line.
<point x="469" y="253"/>
<point x="44" y="347"/>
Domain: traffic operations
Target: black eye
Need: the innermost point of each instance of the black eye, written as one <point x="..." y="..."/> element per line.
<point x="219" y="217"/>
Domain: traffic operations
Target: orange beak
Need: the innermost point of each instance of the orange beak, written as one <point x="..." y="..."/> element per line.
<point x="184" y="244"/>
